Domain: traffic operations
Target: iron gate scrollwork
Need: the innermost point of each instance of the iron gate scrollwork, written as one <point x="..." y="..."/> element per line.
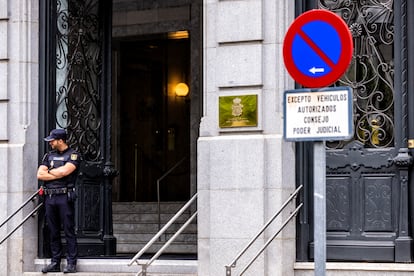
<point x="367" y="176"/>
<point x="78" y="67"/>
<point x="78" y="109"/>
<point x="76" y="33"/>
<point x="371" y="72"/>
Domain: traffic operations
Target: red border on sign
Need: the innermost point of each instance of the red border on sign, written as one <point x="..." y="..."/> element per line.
<point x="346" y="52"/>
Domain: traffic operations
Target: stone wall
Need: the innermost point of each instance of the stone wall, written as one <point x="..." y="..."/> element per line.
<point x="18" y="129"/>
<point x="244" y="173"/>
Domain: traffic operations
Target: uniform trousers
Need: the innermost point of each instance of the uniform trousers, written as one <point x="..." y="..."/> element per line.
<point x="61" y="212"/>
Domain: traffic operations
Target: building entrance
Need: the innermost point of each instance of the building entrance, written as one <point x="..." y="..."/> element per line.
<point x="152" y="121"/>
<point x="112" y="84"/>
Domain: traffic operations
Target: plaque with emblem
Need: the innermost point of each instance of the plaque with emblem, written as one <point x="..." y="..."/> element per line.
<point x="238" y="111"/>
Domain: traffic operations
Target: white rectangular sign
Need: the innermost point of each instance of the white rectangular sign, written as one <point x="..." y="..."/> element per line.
<point x="318" y="115"/>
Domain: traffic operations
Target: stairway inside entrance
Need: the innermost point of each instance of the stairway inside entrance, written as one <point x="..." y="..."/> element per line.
<point x="135" y="223"/>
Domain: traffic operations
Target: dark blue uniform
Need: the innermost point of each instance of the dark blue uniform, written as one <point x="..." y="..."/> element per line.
<point x="60" y="210"/>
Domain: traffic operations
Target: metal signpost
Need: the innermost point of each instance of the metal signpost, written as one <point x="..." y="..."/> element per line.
<point x="317" y="51"/>
<point x="318" y="115"/>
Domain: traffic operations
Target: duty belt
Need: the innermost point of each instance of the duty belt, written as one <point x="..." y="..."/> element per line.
<point x="56" y="191"/>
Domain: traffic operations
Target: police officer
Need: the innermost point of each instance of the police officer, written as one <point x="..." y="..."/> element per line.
<point x="58" y="171"/>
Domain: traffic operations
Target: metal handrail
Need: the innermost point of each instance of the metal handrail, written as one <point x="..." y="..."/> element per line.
<point x="162" y="249"/>
<point x="18" y="210"/>
<point x="21" y="223"/>
<point x="271" y="239"/>
<point x="234" y="262"/>
<point x="158" y="188"/>
<point x="161" y="232"/>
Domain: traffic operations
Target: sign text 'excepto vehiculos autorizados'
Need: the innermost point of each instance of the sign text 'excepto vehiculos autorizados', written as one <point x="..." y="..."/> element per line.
<point x="324" y="114"/>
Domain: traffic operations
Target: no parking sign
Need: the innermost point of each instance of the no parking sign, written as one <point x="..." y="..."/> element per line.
<point x="317" y="48"/>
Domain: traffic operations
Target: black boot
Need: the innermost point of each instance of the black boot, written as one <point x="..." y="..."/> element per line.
<point x="53" y="267"/>
<point x="70" y="268"/>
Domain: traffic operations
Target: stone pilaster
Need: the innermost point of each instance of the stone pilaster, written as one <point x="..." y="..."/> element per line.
<point x="244" y="174"/>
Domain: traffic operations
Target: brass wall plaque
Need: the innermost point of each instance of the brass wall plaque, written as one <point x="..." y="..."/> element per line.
<point x="238" y="111"/>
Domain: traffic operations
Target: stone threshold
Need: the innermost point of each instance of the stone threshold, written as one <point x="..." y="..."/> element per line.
<point x="360" y="266"/>
<point x="181" y="267"/>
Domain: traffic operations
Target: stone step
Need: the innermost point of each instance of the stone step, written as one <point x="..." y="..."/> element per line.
<point x="93" y="274"/>
<point x="137" y="227"/>
<point x="136" y="223"/>
<point x="147" y="217"/>
<point x="145" y="237"/>
<point x="359" y="268"/>
<point x="115" y="267"/>
<point x="174" y="248"/>
<point x="108" y="274"/>
<point x="132" y="243"/>
<point x="146" y="207"/>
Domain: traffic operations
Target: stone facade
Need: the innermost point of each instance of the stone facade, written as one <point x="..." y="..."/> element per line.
<point x="244" y="174"/>
<point x="242" y="180"/>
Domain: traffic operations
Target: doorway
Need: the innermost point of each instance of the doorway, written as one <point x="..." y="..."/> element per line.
<point x="367" y="183"/>
<point x="151" y="121"/>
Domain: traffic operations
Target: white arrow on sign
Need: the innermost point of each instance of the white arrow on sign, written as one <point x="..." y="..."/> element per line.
<point x="315" y="70"/>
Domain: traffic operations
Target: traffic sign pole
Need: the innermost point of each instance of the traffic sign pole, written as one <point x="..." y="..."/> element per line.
<point x="319" y="209"/>
<point x="317" y="50"/>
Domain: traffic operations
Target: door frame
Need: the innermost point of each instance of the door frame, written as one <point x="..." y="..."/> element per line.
<point x="403" y="144"/>
<point x="104" y="172"/>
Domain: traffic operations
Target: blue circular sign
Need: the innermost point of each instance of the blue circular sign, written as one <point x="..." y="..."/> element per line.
<point x="318" y="48"/>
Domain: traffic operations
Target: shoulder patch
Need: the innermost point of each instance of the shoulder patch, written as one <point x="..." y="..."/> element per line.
<point x="74" y="156"/>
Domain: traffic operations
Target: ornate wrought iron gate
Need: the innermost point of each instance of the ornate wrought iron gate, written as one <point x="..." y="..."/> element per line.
<point x="367" y="178"/>
<point x="75" y="77"/>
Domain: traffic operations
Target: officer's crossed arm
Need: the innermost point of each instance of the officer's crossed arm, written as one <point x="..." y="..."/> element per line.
<point x="63" y="171"/>
<point x="43" y="173"/>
